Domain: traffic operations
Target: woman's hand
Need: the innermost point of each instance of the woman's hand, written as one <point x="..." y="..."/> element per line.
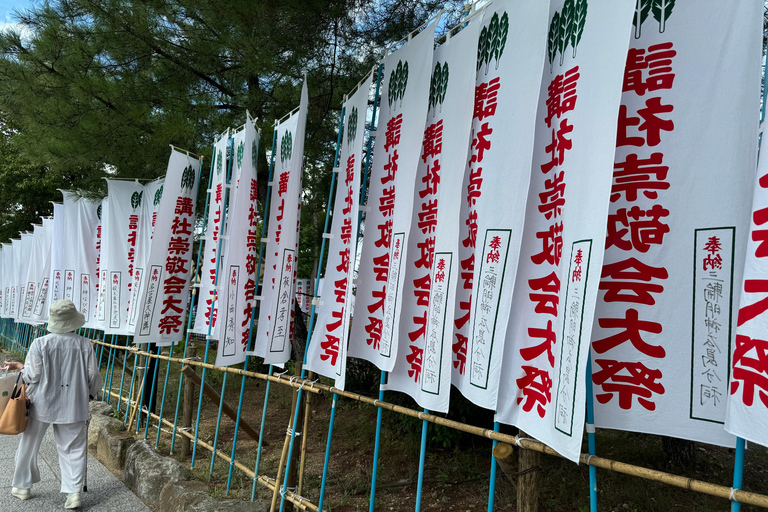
<point x="13" y="365"/>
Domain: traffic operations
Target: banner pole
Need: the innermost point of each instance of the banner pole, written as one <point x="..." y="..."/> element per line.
<point x="231" y="147"/>
<point x="738" y="471"/>
<point x="492" y="483"/>
<point x="152" y="391"/>
<point x="262" y="246"/>
<point x="111" y="365"/>
<point x="248" y="347"/>
<point x="122" y="380"/>
<point x="590" y="426"/>
<point x="422" y="458"/>
<point x="193" y="293"/>
<point x="377" y="443"/>
<point x="215" y="299"/>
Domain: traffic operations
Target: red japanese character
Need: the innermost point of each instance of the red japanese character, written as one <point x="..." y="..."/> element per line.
<point x="638" y="381"/>
<point x="631" y="326"/>
<point x="751" y="372"/>
<point x="536" y="386"/>
<point x="634" y="174"/>
<point x="618" y="289"/>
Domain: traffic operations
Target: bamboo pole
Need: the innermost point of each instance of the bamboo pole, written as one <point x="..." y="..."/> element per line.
<point x="720" y="491"/>
<point x="529" y="464"/>
<point x="505" y="457"/>
<point x="304" y="432"/>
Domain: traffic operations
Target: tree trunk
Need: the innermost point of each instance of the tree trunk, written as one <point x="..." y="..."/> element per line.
<point x="679" y="452"/>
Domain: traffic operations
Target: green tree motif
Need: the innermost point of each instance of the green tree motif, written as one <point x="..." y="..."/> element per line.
<point x="503" y="32"/>
<point x="187" y="178"/>
<point x="433" y="87"/>
<point x="661" y="10"/>
<point x="240" y="151"/>
<point x="254" y="154"/>
<point x="286" y="147"/>
<point x="443" y="85"/>
<point x="482" y="48"/>
<point x="98" y="214"/>
<point x="552" y="43"/>
<point x="392" y="89"/>
<point x="219" y="163"/>
<point x="352" y="126"/>
<point x="158" y="195"/>
<point x="136" y="199"/>
<point x="403" y="82"/>
<point x="566" y="27"/>
<point x="579" y="20"/>
<point x="493" y="36"/>
<point x="642" y="8"/>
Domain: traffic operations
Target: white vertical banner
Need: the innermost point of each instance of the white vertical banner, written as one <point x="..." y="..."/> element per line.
<point x="153" y="192"/>
<point x="237" y="275"/>
<point x="123" y="219"/>
<point x="206" y="308"/>
<point x="87" y="253"/>
<point x="678" y="221"/>
<point x="8" y="265"/>
<point x="747" y="403"/>
<point x="31" y="280"/>
<point x="276" y="312"/>
<point x="3" y="276"/>
<point x="381" y="275"/>
<point x="423" y="361"/>
<point x="25" y="249"/>
<point x="512" y="44"/>
<point x="163" y="300"/>
<point x="35" y="309"/>
<point x="55" y="288"/>
<point x="543" y="390"/>
<point x="102" y="273"/>
<point x="327" y="350"/>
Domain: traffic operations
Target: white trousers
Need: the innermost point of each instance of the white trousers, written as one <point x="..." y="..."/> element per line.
<point x="71" y="442"/>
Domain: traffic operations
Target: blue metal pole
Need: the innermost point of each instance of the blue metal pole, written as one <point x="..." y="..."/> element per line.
<point x="215" y="293"/>
<point x="738" y="471"/>
<point x="492" y="486"/>
<point x="591" y="437"/>
<point x="192" y="304"/>
<point x="261" y="437"/>
<point x="162" y="401"/>
<point x="122" y="380"/>
<point x="372" y="502"/>
<point x="147" y="362"/>
<point x="152" y="393"/>
<point x="422" y="460"/>
<point x="110" y="364"/>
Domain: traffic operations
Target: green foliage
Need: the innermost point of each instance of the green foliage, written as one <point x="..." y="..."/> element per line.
<point x="219" y="163"/>
<point x="158" y="195"/>
<point x="398" y="81"/>
<point x="493" y="38"/>
<point x="438" y="86"/>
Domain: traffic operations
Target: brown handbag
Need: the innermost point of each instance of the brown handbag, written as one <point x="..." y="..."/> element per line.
<point x="14" y="418"/>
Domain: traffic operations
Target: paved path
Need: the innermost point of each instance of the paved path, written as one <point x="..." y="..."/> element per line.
<point x="105" y="492"/>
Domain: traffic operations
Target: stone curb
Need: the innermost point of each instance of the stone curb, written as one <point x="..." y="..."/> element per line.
<point x="161" y="482"/>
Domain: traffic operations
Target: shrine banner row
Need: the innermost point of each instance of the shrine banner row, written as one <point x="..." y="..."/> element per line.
<point x="558" y="186"/>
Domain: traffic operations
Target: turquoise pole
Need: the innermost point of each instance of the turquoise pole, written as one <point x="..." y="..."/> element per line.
<point x="210" y="324"/>
<point x="261" y="251"/>
<point x="152" y="393"/>
<point x="738" y="471"/>
<point x="147" y="362"/>
<point x="191" y="305"/>
<point x="110" y="363"/>
<point x="133" y="383"/>
<point x="245" y="366"/>
<point x="590" y="426"/>
<point x="492" y="486"/>
<point x="422" y="460"/>
<point x="377" y="444"/>
<point x="122" y="379"/>
<point x="162" y="401"/>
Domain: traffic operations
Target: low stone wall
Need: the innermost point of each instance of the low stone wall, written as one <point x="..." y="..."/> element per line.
<point x="163" y="483"/>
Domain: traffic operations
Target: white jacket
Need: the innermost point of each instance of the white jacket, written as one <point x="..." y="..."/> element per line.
<point x="61" y="372"/>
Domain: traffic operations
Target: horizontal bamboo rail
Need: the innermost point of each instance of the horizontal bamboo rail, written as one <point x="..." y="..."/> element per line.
<point x="299" y="501"/>
<point x="691" y="484"/>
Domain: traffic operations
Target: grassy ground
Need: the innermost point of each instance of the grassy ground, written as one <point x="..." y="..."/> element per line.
<point x="457" y="467"/>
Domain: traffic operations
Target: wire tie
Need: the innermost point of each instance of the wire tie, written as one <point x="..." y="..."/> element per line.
<point x="281" y="374"/>
<point x="731" y="497"/>
<point x="589" y="459"/>
<point x="312" y="384"/>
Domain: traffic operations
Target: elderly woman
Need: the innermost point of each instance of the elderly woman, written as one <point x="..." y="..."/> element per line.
<point x="61" y="373"/>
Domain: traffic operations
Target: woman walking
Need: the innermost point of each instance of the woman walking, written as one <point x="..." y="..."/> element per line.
<point x="61" y="374"/>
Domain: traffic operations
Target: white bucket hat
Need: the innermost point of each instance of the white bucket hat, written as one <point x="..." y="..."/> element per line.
<point x="64" y="317"/>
